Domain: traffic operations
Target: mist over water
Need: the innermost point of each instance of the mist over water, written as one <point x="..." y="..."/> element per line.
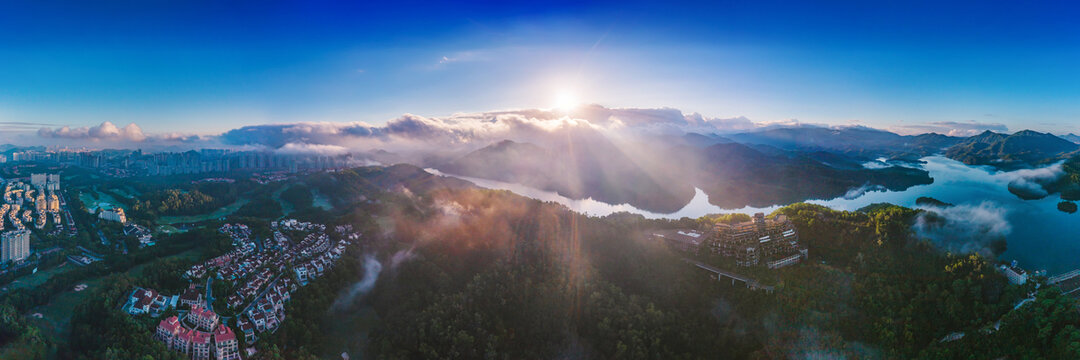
<point x="1039" y="236"/>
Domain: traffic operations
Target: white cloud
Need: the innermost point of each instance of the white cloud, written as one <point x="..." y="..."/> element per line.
<point x="1030" y="181"/>
<point x="105" y="131"/>
<point x="855" y="193"/>
<point x="951" y="128"/>
<point x="964" y="228"/>
<point x="311" y="149"/>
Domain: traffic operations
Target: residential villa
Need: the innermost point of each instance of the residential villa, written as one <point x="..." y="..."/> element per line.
<point x="201" y="346"/>
<point x="225" y="345"/>
<point x="191" y="297"/>
<point x="203" y="318"/>
<point x="167" y="330"/>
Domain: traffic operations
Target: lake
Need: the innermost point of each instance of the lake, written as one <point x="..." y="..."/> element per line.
<point x="1039" y="236"/>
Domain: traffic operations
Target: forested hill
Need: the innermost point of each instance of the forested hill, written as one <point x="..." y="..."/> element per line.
<point x="733" y="175"/>
<point x="1023" y="148"/>
<point x="492" y="274"/>
<point x="588" y="168"/>
<point x="349" y="186"/>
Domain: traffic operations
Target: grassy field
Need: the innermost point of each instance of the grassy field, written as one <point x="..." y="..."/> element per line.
<point x="222" y="212"/>
<point x="92" y="203"/>
<point x="168" y="229"/>
<point x="38" y="278"/>
<point x="55" y="317"/>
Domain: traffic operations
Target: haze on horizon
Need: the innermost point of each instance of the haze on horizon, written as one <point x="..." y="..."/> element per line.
<point x="909" y="68"/>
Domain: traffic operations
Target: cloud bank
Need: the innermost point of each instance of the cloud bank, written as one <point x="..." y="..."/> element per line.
<point x="457" y="132"/>
<point x="104" y="131"/>
<point x="855" y="193"/>
<point x="481" y="129"/>
<point x="964" y="228"/>
<point x="1030" y="182"/>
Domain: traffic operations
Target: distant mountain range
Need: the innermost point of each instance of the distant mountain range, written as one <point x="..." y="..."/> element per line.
<point x="582" y="167"/>
<point x="1071" y="137"/>
<point x="1023" y="148"/>
<point x="774" y="166"/>
<point x="856" y="140"/>
<point x="1020" y="149"/>
<point x="733" y="175"/>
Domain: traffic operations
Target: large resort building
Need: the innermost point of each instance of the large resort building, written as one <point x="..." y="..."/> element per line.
<point x="773" y="241"/>
<point x="769" y="241"/>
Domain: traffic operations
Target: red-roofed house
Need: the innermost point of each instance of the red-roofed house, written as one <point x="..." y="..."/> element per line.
<point x="182" y="341"/>
<point x="203" y="318"/>
<point x="167" y="330"/>
<point x="225" y="345"/>
<point x="142" y="299"/>
<point x="200" y="345"/>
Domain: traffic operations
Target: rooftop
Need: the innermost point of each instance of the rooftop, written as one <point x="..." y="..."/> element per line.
<point x="223" y="333"/>
<point x="171" y="324"/>
<point x="199" y="337"/>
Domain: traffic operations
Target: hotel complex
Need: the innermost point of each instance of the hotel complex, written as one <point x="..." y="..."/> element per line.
<point x="772" y="240"/>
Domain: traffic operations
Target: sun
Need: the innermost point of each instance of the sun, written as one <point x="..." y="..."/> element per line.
<point x="565" y="99"/>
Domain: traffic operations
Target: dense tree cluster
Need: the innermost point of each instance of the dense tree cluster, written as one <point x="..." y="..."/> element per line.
<point x="189" y="200"/>
<point x="19" y="339"/>
<point x="1068" y="185"/>
<point x="1067" y="206"/>
<point x="888" y="288"/>
<point x="263" y="207"/>
<point x="512" y="278"/>
<point x="299" y="196"/>
<point x="101" y="330"/>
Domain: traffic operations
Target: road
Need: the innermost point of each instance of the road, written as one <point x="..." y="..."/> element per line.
<point x="750" y="282"/>
<point x="255" y="299"/>
<point x="209" y="293"/>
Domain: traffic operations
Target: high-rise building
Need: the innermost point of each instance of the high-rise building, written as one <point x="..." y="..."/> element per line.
<point x="53" y="182"/>
<point x="113" y="214"/>
<point x="41" y="203"/>
<point x="14" y="245"/>
<point x="38" y="180"/>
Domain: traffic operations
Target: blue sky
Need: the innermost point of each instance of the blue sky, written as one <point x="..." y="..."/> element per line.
<point x="206" y="67"/>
